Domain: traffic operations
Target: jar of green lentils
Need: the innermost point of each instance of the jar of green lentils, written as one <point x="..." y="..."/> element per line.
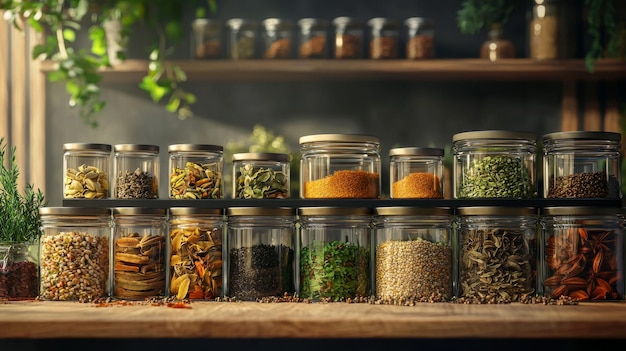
<point x="494" y="164"/>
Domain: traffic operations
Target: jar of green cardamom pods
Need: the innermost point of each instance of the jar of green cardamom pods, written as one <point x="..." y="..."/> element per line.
<point x="261" y="175"/>
<point x="494" y="164"/>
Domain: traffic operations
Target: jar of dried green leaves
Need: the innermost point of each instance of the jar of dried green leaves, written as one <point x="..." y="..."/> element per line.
<point x="261" y="175"/>
<point x="497" y="253"/>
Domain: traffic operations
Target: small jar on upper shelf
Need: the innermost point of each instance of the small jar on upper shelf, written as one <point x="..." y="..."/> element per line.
<point x="206" y="39"/>
<point x="349" y="38"/>
<point x="86" y="171"/>
<point x="544" y="30"/>
<point x="420" y="38"/>
<point x="136" y="169"/>
<point x="313" y="40"/>
<point x="241" y="38"/>
<point x="384" y="37"/>
<point x="277" y="38"/>
<point x="497" y="47"/>
<point x="195" y="171"/>
<point x="261" y="175"/>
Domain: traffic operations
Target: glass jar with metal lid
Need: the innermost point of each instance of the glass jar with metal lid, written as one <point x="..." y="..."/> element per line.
<point x="582" y="253"/>
<point x="348" y="38"/>
<point x="136" y="169"/>
<point x="334" y="253"/>
<point x="195" y="250"/>
<point x="582" y="165"/>
<point x="340" y="166"/>
<point x="313" y="38"/>
<point x="261" y="175"/>
<point x="74" y="253"/>
<point x="497" y="253"/>
<point x="383" y="38"/>
<point x="494" y="164"/>
<point x="195" y="171"/>
<point x="277" y="38"/>
<point x="19" y="269"/>
<point x="242" y="38"/>
<point x="261" y="257"/>
<point x="413" y="254"/>
<point x="416" y="172"/>
<point x="206" y="35"/>
<point x="139" y="252"/>
<point x="420" y="42"/>
<point x="86" y="170"/>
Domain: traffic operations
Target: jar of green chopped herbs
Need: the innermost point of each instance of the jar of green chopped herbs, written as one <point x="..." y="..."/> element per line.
<point x="261" y="175"/>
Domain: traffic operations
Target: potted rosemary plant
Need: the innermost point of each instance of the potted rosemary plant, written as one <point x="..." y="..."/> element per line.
<point x="19" y="232"/>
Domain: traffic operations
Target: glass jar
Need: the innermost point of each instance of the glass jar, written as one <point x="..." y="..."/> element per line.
<point x="383" y="38"/>
<point x="583" y="253"/>
<point x="19" y="270"/>
<point x="206" y="36"/>
<point x="497" y="253"/>
<point x="195" y="171"/>
<point x="260" y="248"/>
<point x="494" y="164"/>
<point x="497" y="47"/>
<point x="334" y="257"/>
<point x="413" y="254"/>
<point x="544" y="30"/>
<point x="242" y="38"/>
<point x="582" y="165"/>
<point x="196" y="253"/>
<point x="86" y="170"/>
<point x="348" y="38"/>
<point x="74" y="253"/>
<point x="340" y="166"/>
<point x="136" y="169"/>
<point x="420" y="38"/>
<point x="261" y="175"/>
<point x="139" y="252"/>
<point x="313" y="38"/>
<point x="416" y="172"/>
<point x="277" y="37"/>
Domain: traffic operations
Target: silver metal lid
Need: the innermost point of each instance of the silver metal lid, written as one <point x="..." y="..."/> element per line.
<point x="335" y="211"/>
<point x="138" y="211"/>
<point x="379" y="22"/>
<point x="312" y="22"/>
<point x="413" y="211"/>
<point x="346" y="138"/>
<point x="86" y="146"/>
<point x="581" y="211"/>
<point x="195" y="211"/>
<point x="136" y="147"/>
<point x="581" y="135"/>
<point x="260" y="211"/>
<point x="493" y="134"/>
<point x="346" y="21"/>
<point x="261" y="156"/>
<point x="416" y="151"/>
<point x="496" y="211"/>
<point x="74" y="211"/>
<point x="195" y="147"/>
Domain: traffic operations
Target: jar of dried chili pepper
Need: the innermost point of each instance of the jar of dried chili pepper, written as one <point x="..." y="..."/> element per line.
<point x="583" y="253"/>
<point x="195" y="171"/>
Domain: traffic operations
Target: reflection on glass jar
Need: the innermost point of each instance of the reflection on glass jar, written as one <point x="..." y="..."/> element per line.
<point x="544" y="26"/>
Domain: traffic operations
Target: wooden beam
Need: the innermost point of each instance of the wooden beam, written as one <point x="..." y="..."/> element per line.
<point x="569" y="107"/>
<point x="4" y="80"/>
<point x="19" y="76"/>
<point x="37" y="125"/>
<point x="592" y="116"/>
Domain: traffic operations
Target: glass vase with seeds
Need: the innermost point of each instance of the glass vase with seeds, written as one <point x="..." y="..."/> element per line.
<point x="413" y="254"/>
<point x="195" y="171"/>
<point x="136" y="168"/>
<point x="494" y="164"/>
<point x="261" y="256"/>
<point x="86" y="169"/>
<point x="261" y="175"/>
<point x="582" y="165"/>
<point x="497" y="253"/>
<point x="139" y="252"/>
<point x="582" y="253"/>
<point x="334" y="255"/>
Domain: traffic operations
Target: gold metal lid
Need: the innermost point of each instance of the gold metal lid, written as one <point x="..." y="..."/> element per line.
<point x="416" y="151"/>
<point x="260" y="211"/>
<point x="195" y="211"/>
<point x="416" y="22"/>
<point x="581" y="211"/>
<point x="138" y="211"/>
<point x="345" y="138"/>
<point x="582" y="135"/>
<point x="86" y="146"/>
<point x="136" y="147"/>
<point x="413" y="211"/>
<point x="261" y="156"/>
<point x="496" y="211"/>
<point x="195" y="147"/>
<point x="335" y="211"/>
<point x="74" y="211"/>
<point x="312" y="22"/>
<point x="493" y="134"/>
<point x="276" y="23"/>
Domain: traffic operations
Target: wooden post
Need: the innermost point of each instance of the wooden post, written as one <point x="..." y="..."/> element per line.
<point x="19" y="77"/>
<point x="569" y="117"/>
<point x="4" y="80"/>
<point x="592" y="114"/>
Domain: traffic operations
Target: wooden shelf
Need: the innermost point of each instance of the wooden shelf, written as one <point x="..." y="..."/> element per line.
<point x="208" y="319"/>
<point x="439" y="69"/>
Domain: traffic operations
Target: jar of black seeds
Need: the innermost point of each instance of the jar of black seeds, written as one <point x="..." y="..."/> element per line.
<point x="86" y="169"/>
<point x="334" y="255"/>
<point x="582" y="165"/>
<point x="496" y="253"/>
<point x="260" y="249"/>
<point x="494" y="164"/>
<point x="195" y="171"/>
<point x="413" y="254"/>
<point x="136" y="168"/>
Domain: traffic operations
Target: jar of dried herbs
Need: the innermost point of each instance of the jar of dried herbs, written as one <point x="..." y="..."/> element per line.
<point x="86" y="168"/>
<point x="383" y="38"/>
<point x="136" y="168"/>
<point x="497" y="253"/>
<point x="420" y="42"/>
<point x="206" y="36"/>
<point x="583" y="253"/>
<point x="349" y="38"/>
<point x="242" y="38"/>
<point x="261" y="175"/>
<point x="139" y="252"/>
<point x="582" y="164"/>
<point x="494" y="164"/>
<point x="416" y="172"/>
<point x="195" y="248"/>
<point x="313" y="38"/>
<point x="277" y="37"/>
<point x="260" y="246"/>
<point x="195" y="171"/>
<point x="74" y="253"/>
<point x="19" y="270"/>
<point x="413" y="254"/>
<point x="334" y="256"/>
<point x="340" y="166"/>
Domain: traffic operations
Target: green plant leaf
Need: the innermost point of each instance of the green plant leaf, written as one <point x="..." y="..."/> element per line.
<point x="69" y="35"/>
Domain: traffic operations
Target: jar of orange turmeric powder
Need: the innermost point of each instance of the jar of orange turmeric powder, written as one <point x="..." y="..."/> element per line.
<point x="416" y="172"/>
<point x="340" y="166"/>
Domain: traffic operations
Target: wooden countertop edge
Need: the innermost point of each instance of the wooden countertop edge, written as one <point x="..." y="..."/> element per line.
<point x="48" y="319"/>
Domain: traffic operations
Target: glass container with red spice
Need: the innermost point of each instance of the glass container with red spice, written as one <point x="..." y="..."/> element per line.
<point x="340" y="166"/>
<point x="416" y="172"/>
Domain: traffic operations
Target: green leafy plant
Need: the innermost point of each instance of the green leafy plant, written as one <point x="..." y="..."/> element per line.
<point x="603" y="31"/>
<point x="475" y="15"/>
<point x="60" y="21"/>
<point x="19" y="213"/>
